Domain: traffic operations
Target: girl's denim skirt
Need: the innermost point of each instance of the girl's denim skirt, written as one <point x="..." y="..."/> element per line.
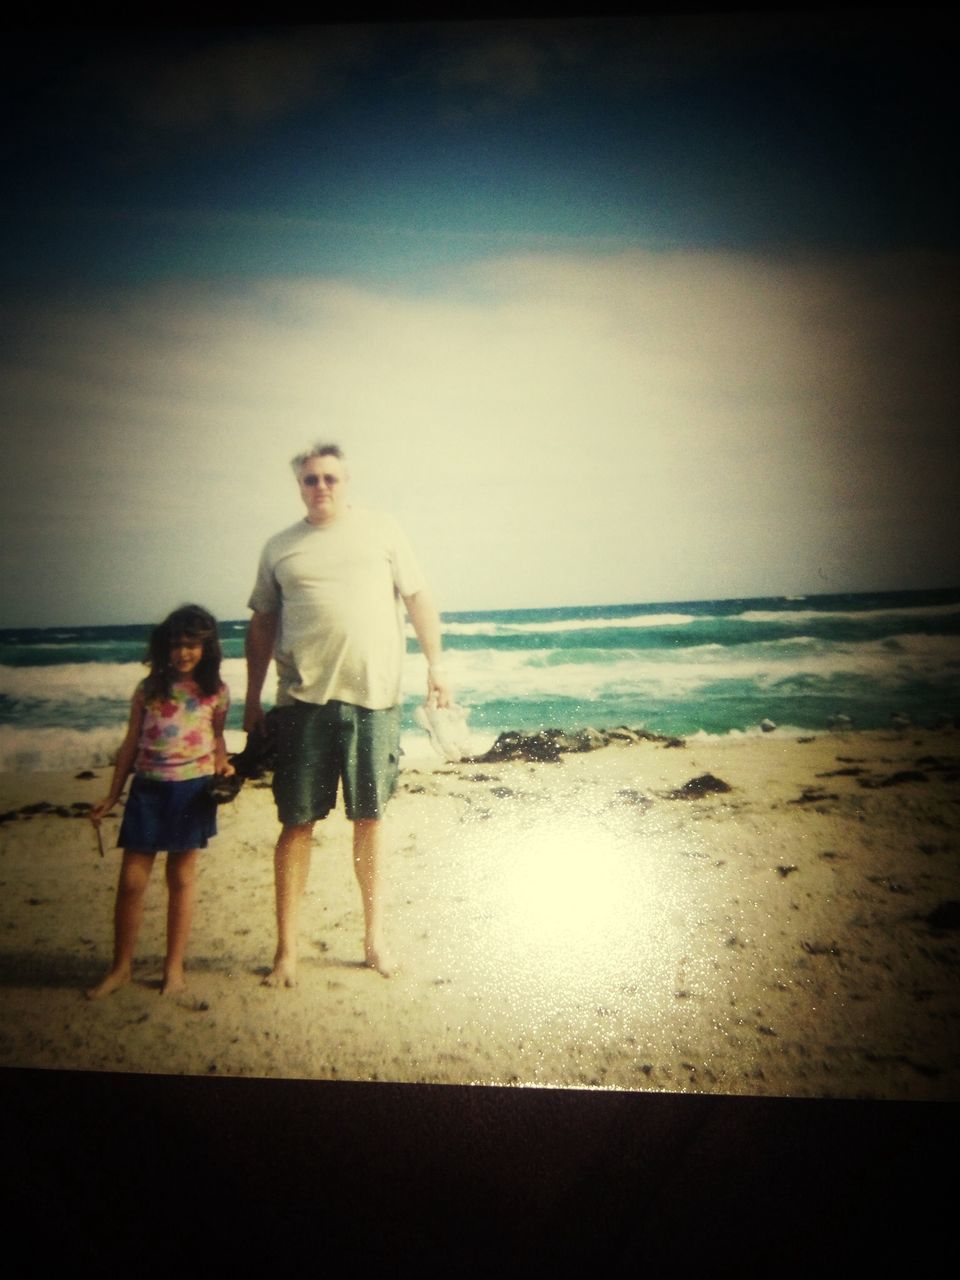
<point x="168" y="816"/>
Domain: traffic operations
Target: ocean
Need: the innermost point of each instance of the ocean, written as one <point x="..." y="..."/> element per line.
<point x="684" y="668"/>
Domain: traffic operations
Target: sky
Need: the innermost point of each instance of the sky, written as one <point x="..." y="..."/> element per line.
<point x="618" y="310"/>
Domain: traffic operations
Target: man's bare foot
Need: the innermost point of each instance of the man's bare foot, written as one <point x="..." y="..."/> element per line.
<point x="381" y="960"/>
<point x="174" y="984"/>
<point x="283" y="974"/>
<point x="115" y="979"/>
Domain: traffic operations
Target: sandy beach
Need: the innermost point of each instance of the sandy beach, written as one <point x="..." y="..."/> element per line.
<point x="585" y="923"/>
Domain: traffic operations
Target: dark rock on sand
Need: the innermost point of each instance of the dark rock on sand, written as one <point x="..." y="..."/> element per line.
<point x="548" y="745"/>
<point x="588" y="739"/>
<point x="814" y="795"/>
<point x="818" y="948"/>
<point x="946" y="915"/>
<point x="891" y="886"/>
<point x="705" y="784"/>
<point x="645" y="735"/>
<point x="537" y="747"/>
<point x="894" y="779"/>
<point x="621" y="734"/>
<point x="935" y="764"/>
<point x="85" y="775"/>
<point x="635" y="799"/>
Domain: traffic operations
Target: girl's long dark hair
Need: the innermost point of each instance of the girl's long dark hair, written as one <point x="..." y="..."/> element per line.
<point x="189" y="622"/>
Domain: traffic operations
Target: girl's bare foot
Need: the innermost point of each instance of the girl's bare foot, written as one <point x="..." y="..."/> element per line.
<point x="378" y="958"/>
<point x="283" y="973"/>
<point x="173" y="984"/>
<point x="115" y="979"/>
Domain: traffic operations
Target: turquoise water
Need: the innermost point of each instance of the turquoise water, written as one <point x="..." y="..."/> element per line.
<point x="714" y="666"/>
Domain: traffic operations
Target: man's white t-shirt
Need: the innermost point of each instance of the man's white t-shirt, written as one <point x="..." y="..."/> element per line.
<point x="337" y="589"/>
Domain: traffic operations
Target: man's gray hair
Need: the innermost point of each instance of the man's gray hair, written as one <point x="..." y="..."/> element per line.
<point x="316" y="451"/>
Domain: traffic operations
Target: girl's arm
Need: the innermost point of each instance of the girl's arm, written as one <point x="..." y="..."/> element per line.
<point x="125" y="759"/>
<point x="221" y="764"/>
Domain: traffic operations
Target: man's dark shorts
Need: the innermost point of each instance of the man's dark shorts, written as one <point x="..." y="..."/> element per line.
<point x="319" y="745"/>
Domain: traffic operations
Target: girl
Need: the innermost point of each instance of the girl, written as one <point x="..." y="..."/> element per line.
<point x="174" y="744"/>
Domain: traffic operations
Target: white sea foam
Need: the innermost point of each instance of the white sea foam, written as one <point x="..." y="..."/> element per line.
<point x="525" y="674"/>
<point x="71" y="644"/>
<point x="783" y="731"/>
<point x="854" y="615"/>
<point x="72" y="682"/>
<point x="80" y="695"/>
<point x="40" y="750"/>
<point x="78" y="682"/>
<point x="558" y="626"/>
<point x="63" y="750"/>
<point x="485" y="675"/>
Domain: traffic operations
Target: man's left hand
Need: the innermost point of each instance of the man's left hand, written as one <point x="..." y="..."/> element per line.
<point x="439" y="691"/>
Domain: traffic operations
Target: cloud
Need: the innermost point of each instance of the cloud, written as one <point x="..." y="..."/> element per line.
<point x="550" y="428"/>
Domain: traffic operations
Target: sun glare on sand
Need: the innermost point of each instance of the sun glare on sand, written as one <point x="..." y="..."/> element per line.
<point x="567" y="891"/>
<point x="570" y="907"/>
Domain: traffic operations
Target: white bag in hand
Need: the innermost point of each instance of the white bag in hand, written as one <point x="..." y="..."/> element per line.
<point x="447" y="728"/>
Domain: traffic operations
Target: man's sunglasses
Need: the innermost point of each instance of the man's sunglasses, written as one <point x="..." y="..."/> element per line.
<point x="312" y="481"/>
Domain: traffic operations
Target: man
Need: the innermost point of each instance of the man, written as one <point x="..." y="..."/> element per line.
<point x="326" y="606"/>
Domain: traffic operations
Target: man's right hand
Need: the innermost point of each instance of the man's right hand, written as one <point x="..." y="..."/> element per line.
<point x="258" y="647"/>
<point x="254" y="718"/>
